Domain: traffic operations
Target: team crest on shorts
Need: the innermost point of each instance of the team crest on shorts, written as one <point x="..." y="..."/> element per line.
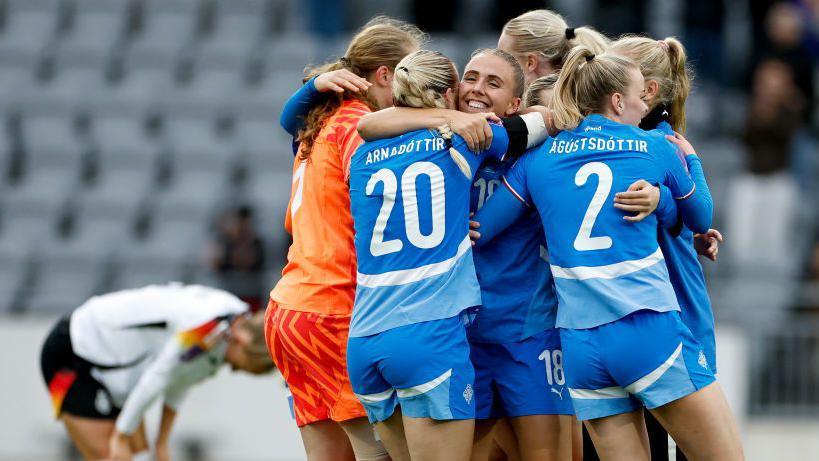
<point x="468" y="393"/>
<point x="702" y="360"/>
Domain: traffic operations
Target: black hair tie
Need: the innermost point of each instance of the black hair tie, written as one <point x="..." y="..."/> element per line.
<point x="345" y="61"/>
<point x="570" y="33"/>
<point x="403" y="68"/>
<point x="589" y="57"/>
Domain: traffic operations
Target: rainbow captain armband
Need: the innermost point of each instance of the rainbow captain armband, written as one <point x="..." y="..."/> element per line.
<point x="200" y="339"/>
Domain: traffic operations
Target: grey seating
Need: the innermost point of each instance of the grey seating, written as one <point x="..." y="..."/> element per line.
<point x="237" y="26"/>
<point x="193" y="195"/>
<point x="269" y="193"/>
<point x="70" y="86"/>
<point x="15" y="268"/>
<point x="273" y="91"/>
<point x="139" y="90"/>
<point x="15" y="80"/>
<point x="105" y="222"/>
<point x="209" y="89"/>
<point x="123" y="142"/>
<point x="265" y="144"/>
<point x="294" y="51"/>
<point x="97" y="27"/>
<point x="164" y="256"/>
<point x="66" y="273"/>
<point x="50" y="141"/>
<point x="196" y="146"/>
<point x="29" y="221"/>
<point x="29" y="26"/>
<point x="167" y="28"/>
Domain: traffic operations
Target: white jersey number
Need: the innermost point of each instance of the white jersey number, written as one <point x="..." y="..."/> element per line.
<point x="378" y="247"/>
<point x="584" y="241"/>
<point x="554" y="366"/>
<point x="485" y="189"/>
<point x="298" y="176"/>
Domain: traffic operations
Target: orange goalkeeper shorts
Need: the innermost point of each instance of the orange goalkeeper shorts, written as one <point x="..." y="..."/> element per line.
<point x="310" y="351"/>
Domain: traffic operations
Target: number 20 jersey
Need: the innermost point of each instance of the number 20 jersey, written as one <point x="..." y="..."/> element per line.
<point x="604" y="267"/>
<point x="410" y="206"/>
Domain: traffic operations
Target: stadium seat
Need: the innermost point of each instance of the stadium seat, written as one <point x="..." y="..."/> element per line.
<point x="166" y="255"/>
<point x="268" y="191"/>
<point x="122" y="142"/>
<point x="13" y="81"/>
<point x="137" y="93"/>
<point x="193" y="195"/>
<point x="264" y="144"/>
<point x="196" y="146"/>
<point x="29" y="26"/>
<point x="167" y="28"/>
<point x="97" y="27"/>
<point x="70" y="87"/>
<point x="50" y="142"/>
<point x="236" y="26"/>
<point x="15" y="268"/>
<point x="209" y="90"/>
<point x="66" y="273"/>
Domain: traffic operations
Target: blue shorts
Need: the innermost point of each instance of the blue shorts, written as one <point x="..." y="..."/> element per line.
<point x="646" y="358"/>
<point x="423" y="367"/>
<point x="521" y="378"/>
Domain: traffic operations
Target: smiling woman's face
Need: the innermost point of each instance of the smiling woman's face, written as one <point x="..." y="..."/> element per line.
<point x="488" y="85"/>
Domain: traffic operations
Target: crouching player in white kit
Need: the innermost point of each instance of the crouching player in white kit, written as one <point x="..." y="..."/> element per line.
<point x="106" y="362"/>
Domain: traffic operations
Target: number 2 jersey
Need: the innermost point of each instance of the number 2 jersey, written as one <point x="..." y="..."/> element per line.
<point x="410" y="206"/>
<point x="603" y="266"/>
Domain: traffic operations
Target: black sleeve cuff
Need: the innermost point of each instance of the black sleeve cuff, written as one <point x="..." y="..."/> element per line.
<point x="518" y="135"/>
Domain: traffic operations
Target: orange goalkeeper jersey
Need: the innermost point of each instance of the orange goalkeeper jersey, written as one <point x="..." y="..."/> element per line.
<point x="320" y="274"/>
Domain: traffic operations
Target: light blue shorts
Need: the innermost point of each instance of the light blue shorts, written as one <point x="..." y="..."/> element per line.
<point x="423" y="367"/>
<point x="646" y="358"/>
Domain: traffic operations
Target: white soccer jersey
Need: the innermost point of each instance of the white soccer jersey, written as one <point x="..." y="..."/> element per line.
<point x="152" y="341"/>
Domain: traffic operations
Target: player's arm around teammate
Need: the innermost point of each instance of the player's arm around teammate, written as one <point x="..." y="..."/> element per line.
<point x="408" y="354"/>
<point x="694" y="410"/>
<point x="308" y="318"/>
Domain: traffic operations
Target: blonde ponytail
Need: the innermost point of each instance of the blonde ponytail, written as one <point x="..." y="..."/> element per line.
<point x="682" y="76"/>
<point x="591" y="39"/>
<point x="665" y="62"/>
<point x="585" y="83"/>
<point x="547" y="33"/>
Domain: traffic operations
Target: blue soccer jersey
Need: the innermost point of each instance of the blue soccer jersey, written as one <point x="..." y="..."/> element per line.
<point x="517" y="290"/>
<point x="410" y="203"/>
<point x="688" y="280"/>
<point x="604" y="267"/>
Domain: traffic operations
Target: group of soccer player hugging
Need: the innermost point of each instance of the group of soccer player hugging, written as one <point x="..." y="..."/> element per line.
<point x="505" y="253"/>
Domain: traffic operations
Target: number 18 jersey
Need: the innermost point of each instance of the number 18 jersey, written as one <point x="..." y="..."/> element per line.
<point x="604" y="267"/>
<point x="410" y="206"/>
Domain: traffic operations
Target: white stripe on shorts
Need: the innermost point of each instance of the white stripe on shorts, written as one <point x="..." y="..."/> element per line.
<point x="641" y="384"/>
<point x="614" y="392"/>
<point x="424" y="388"/>
<point x="375" y="398"/>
